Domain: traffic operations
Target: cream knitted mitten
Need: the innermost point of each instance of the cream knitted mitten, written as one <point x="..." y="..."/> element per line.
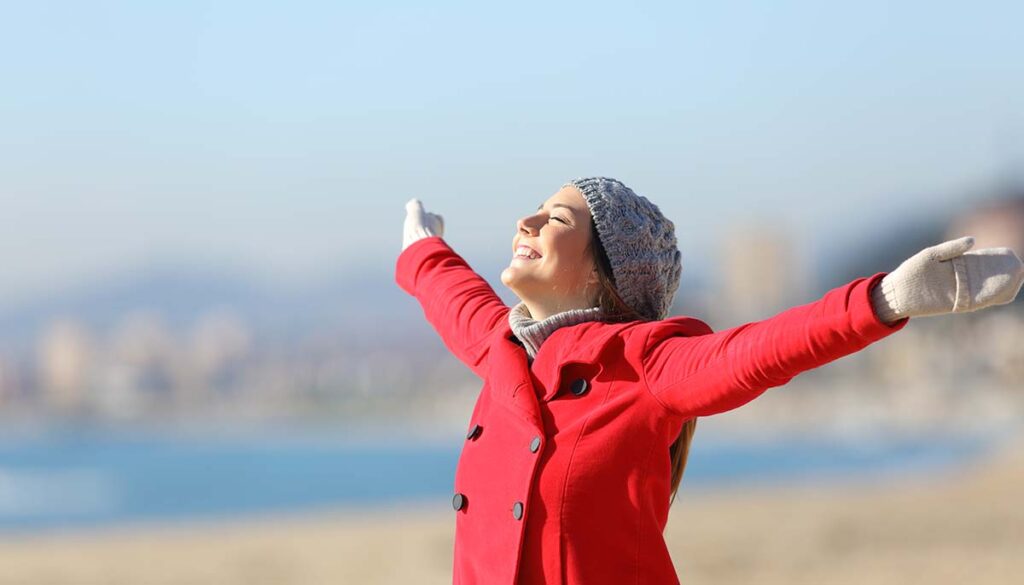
<point x="946" y="278"/>
<point x="420" y="223"/>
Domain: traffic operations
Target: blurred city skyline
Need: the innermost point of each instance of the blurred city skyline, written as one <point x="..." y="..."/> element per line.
<point x="169" y="346"/>
<point x="281" y="142"/>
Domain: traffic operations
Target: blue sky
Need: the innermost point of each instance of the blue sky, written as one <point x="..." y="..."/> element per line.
<point x="283" y="139"/>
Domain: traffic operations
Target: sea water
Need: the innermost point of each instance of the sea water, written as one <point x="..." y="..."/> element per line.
<point x="67" y="478"/>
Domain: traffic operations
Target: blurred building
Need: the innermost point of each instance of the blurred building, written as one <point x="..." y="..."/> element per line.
<point x="143" y="359"/>
<point x="995" y="223"/>
<point x="762" y="273"/>
<point x="65" y="357"/>
<point x="11" y="387"/>
<point x="218" y="345"/>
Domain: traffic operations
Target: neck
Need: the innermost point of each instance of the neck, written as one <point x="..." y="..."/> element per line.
<point x="532" y="331"/>
<point x="540" y="310"/>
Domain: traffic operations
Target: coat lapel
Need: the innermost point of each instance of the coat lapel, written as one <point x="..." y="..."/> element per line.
<point x="574" y="347"/>
<point x="575" y="351"/>
<point x="509" y="376"/>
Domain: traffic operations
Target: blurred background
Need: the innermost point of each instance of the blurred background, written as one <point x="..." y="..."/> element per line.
<point x="209" y="375"/>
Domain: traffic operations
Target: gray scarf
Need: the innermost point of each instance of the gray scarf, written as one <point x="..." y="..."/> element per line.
<point x="532" y="332"/>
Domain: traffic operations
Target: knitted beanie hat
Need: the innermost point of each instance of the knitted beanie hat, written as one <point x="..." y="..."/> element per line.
<point x="640" y="243"/>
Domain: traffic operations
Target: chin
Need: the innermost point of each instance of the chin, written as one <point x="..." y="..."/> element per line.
<point x="508" y="278"/>
<point x="515" y="280"/>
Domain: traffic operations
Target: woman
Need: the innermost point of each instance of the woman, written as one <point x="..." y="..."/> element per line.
<point x="579" y="437"/>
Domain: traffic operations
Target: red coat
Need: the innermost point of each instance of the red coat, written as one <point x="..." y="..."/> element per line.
<point x="564" y="474"/>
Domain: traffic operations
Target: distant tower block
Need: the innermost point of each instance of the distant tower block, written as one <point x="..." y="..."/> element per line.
<point x="762" y="272"/>
<point x="65" y="354"/>
<point x="993" y="224"/>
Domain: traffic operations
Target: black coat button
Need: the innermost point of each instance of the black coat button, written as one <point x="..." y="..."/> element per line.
<point x="459" y="501"/>
<point x="535" y="444"/>
<point x="579" y="386"/>
<point x="517" y="510"/>
<point x="474" y="432"/>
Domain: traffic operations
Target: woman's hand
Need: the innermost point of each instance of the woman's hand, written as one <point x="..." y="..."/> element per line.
<point x="946" y="278"/>
<point x="420" y="223"/>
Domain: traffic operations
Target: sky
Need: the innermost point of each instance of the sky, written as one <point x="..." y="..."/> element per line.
<point x="283" y="139"/>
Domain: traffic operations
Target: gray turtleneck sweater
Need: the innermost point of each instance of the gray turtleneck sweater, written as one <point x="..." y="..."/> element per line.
<point x="532" y="332"/>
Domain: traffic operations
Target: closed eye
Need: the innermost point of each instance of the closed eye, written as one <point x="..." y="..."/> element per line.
<point x="560" y="219"/>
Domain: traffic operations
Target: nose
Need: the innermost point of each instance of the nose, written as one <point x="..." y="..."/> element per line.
<point x="524" y="225"/>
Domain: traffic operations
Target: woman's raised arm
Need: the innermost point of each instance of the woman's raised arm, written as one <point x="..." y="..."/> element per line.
<point x="707" y="374"/>
<point x="460" y="305"/>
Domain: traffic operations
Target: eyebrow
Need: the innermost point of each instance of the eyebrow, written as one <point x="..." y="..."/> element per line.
<point x="541" y="206"/>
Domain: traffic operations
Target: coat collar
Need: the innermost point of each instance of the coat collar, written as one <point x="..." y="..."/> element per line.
<point x="582" y="350"/>
<point x="578" y="347"/>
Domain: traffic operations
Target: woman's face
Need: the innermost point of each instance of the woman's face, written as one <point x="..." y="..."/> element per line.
<point x="564" y="275"/>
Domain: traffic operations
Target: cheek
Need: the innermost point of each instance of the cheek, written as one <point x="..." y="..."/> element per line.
<point x="569" y="245"/>
<point x="567" y="256"/>
<point x="568" y="265"/>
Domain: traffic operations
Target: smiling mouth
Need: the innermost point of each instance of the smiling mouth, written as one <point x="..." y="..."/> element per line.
<point x="525" y="253"/>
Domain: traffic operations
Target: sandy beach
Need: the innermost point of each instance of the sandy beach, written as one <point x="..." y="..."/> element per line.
<point x="963" y="527"/>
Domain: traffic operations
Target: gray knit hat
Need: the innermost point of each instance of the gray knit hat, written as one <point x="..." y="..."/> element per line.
<point x="640" y="243"/>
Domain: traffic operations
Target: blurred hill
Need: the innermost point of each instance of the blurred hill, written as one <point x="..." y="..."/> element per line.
<point x="368" y="304"/>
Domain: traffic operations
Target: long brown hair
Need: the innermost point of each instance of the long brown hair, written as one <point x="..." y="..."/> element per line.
<point x="615" y="309"/>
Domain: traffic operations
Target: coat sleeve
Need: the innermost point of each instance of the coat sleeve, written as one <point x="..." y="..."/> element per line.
<point x="708" y="374"/>
<point x="460" y="305"/>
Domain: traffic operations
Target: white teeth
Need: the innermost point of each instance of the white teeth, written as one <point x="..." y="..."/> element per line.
<point x="525" y="252"/>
